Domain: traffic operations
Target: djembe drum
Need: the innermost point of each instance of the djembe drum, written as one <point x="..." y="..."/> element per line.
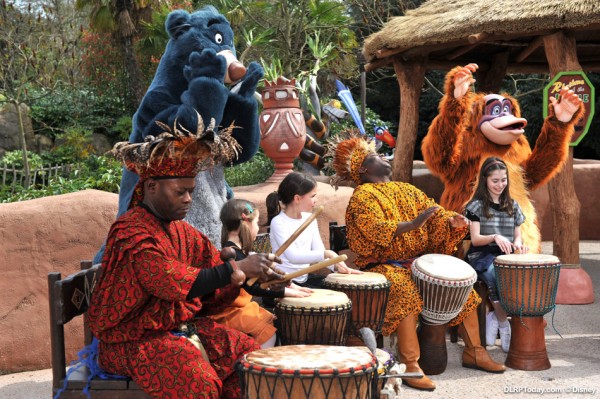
<point x="319" y="319"/>
<point x="308" y="371"/>
<point x="369" y="295"/>
<point x="527" y="285"/>
<point x="444" y="283"/>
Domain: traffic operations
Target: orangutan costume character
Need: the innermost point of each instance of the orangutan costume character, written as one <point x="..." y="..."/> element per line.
<point x="472" y="126"/>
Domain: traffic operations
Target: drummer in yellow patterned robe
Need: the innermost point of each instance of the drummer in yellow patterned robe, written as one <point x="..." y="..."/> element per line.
<point x="388" y="224"/>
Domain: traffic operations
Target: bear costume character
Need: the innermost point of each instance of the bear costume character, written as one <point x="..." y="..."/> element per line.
<point x="198" y="60"/>
<point x="471" y="127"/>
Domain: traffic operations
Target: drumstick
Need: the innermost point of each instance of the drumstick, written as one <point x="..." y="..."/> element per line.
<point x="306" y="270"/>
<point x="295" y="235"/>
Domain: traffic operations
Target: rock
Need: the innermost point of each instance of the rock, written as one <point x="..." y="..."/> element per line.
<point x="42" y="143"/>
<point x="101" y="143"/>
<point x="10" y="136"/>
<point x="51" y="234"/>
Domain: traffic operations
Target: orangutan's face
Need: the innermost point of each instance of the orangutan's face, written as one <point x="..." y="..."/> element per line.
<point x="498" y="122"/>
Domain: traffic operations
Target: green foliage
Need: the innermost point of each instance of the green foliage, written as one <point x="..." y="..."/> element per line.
<point x="74" y="145"/>
<point x="56" y="110"/>
<point x="123" y="128"/>
<point x="95" y="172"/>
<point x="14" y="159"/>
<point x="255" y="171"/>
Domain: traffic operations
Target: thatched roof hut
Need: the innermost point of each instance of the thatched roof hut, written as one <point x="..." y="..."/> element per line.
<point x="502" y="36"/>
<point x="452" y="32"/>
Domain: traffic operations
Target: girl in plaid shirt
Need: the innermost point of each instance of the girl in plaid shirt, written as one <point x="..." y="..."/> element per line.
<point x="496" y="221"/>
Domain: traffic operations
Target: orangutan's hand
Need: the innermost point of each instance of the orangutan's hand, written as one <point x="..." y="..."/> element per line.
<point x="565" y="108"/>
<point x="463" y="79"/>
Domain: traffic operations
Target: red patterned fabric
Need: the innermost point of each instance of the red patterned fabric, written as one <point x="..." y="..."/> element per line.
<point x="148" y="268"/>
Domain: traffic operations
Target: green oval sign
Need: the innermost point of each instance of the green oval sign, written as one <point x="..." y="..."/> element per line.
<point x="580" y="84"/>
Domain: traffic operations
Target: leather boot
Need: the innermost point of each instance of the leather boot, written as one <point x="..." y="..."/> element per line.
<point x="475" y="356"/>
<point x="408" y="351"/>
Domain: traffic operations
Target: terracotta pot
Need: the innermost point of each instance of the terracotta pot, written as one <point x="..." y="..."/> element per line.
<point x="282" y="128"/>
<point x="574" y="286"/>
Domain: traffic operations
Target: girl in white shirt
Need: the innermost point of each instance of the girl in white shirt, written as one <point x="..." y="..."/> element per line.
<point x="287" y="209"/>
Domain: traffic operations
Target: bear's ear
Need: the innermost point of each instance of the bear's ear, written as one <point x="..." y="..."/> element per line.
<point x="177" y="23"/>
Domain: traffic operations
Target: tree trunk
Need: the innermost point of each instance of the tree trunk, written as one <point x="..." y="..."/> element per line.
<point x="134" y="74"/>
<point x="561" y="52"/>
<point x="491" y="80"/>
<point x="411" y="75"/>
<point x="23" y="143"/>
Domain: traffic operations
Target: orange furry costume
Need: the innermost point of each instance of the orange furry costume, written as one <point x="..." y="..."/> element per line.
<point x="455" y="147"/>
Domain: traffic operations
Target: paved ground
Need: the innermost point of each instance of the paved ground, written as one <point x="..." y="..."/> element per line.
<point x="575" y="359"/>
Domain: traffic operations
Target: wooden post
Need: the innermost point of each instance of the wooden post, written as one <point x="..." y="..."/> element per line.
<point x="411" y="75"/>
<point x="561" y="52"/>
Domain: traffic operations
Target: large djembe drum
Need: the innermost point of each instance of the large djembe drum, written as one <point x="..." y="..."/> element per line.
<point x="527" y="285"/>
<point x="319" y="319"/>
<point x="369" y="295"/>
<point x="307" y="372"/>
<point x="444" y="283"/>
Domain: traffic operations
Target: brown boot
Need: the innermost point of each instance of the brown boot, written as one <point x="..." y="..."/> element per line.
<point x="408" y="351"/>
<point x="475" y="356"/>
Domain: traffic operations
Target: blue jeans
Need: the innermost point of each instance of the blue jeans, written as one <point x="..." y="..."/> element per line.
<point x="488" y="276"/>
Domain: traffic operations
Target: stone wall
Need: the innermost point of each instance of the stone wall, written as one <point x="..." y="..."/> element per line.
<point x="51" y="234"/>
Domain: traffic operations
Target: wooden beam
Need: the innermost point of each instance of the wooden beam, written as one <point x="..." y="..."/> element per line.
<point x="440" y="65"/>
<point x="388" y="52"/>
<point x="534" y="45"/>
<point x="411" y="75"/>
<point x="373" y="65"/>
<point x="460" y="51"/>
<point x="530" y="67"/>
<point x="477" y="37"/>
<point x="561" y="51"/>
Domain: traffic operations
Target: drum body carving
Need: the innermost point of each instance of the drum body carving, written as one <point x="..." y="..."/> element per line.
<point x="444" y="283"/>
<point x="318" y="319"/>
<point x="369" y="295"/>
<point x="527" y="285"/>
<point x="308" y="371"/>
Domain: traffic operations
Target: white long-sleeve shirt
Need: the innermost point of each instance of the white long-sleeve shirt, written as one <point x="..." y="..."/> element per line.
<point x="306" y="249"/>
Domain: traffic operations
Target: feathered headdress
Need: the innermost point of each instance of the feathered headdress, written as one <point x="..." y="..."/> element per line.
<point x="348" y="151"/>
<point x="177" y="152"/>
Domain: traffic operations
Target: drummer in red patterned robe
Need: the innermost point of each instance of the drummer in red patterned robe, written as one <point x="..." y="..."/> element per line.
<point x="390" y="223"/>
<point x="160" y="274"/>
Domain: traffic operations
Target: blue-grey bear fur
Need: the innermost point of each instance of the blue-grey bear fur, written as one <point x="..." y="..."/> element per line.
<point x="190" y="78"/>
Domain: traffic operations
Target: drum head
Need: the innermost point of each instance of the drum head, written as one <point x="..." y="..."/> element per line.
<point x="311" y="357"/>
<point x="367" y="278"/>
<point x="443" y="267"/>
<point x="527" y="259"/>
<point x="319" y="298"/>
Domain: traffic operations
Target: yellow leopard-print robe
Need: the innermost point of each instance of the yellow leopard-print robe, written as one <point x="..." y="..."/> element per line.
<point x="372" y="217"/>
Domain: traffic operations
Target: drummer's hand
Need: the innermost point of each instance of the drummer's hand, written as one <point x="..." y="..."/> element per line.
<point x="458" y="221"/>
<point x="520" y="248"/>
<point x="294" y="293"/>
<point x="300" y="288"/>
<point x="261" y="266"/>
<point x="423" y="217"/>
<point x="344" y="269"/>
<point x="504" y="245"/>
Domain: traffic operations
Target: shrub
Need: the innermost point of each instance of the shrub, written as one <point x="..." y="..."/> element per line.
<point x="95" y="172"/>
<point x="255" y="171"/>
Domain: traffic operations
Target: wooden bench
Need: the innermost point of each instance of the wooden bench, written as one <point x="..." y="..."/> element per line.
<point x="69" y="298"/>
